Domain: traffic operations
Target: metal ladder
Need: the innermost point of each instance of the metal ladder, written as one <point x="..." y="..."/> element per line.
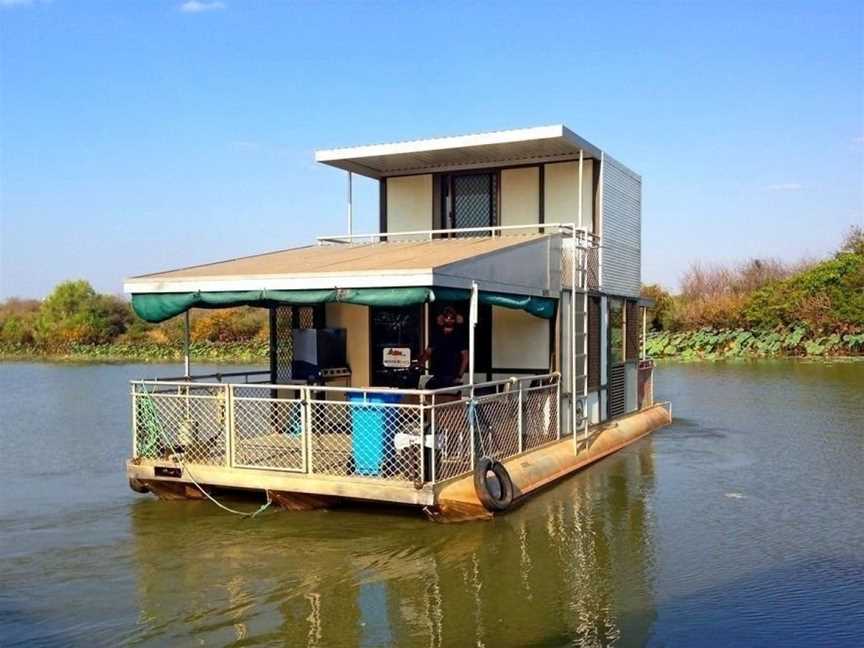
<point x="579" y="285"/>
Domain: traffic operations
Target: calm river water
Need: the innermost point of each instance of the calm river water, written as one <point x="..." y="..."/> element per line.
<point x="741" y="524"/>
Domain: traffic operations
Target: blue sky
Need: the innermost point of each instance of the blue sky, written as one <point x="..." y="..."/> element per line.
<point x="138" y="136"/>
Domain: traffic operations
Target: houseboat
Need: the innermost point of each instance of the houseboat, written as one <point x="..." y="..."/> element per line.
<point x="487" y="341"/>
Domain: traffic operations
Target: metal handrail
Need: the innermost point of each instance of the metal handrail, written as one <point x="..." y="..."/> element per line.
<point x="217" y="375"/>
<point x="571" y="228"/>
<point x="371" y="390"/>
<point x="247" y="441"/>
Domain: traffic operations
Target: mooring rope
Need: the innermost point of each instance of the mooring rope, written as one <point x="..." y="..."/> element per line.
<point x="152" y="423"/>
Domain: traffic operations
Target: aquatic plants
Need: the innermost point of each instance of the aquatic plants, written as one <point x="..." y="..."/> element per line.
<point x="708" y="343"/>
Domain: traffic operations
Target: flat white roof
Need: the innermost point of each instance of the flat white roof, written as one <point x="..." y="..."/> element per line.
<point x="449" y="262"/>
<point x="499" y="148"/>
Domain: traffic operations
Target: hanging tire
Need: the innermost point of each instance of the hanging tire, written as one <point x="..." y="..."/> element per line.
<point x="492" y="501"/>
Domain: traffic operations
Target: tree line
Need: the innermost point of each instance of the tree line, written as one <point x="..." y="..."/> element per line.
<point x="716" y="306"/>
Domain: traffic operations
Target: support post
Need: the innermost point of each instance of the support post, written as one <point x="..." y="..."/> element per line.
<point x="422" y="477"/>
<point x="186" y="363"/>
<point x="472" y="323"/>
<point x="350" y="203"/>
<point x="519" y="417"/>
<point x="229" y="425"/>
<point x="579" y="207"/>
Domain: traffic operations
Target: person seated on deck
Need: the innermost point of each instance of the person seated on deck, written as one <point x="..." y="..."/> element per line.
<point x="449" y="350"/>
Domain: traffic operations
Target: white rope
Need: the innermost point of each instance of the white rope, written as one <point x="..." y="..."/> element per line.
<point x="188" y="472"/>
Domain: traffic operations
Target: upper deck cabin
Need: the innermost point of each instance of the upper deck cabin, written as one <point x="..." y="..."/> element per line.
<point x="533" y="236"/>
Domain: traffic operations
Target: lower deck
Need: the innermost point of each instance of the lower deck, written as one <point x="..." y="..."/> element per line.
<point x="384" y="445"/>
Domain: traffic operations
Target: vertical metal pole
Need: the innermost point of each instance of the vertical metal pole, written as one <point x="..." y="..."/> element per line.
<point x="186" y="363"/>
<point x="519" y="415"/>
<point x="426" y="341"/>
<point x="573" y="283"/>
<point x="472" y="322"/>
<point x="434" y="435"/>
<point x="134" y="421"/>
<point x="306" y="399"/>
<point x="558" y="409"/>
<point x="422" y="440"/>
<point x="229" y="425"/>
<point x="350" y="203"/>
<point x="579" y="208"/>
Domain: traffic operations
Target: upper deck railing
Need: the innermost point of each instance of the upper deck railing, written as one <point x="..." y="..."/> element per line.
<point x="565" y="229"/>
<point x="580" y="250"/>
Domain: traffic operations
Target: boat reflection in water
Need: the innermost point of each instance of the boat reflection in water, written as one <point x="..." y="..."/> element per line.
<point x="572" y="566"/>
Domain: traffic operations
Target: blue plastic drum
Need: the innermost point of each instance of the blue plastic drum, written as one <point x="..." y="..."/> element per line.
<point x="371" y="441"/>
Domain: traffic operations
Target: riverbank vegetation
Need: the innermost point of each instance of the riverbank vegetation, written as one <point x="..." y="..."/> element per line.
<point x="764" y="308"/>
<point x="76" y="323"/>
<point x="757" y="308"/>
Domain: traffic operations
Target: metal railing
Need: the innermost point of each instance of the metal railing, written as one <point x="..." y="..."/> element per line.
<point x="409" y="435"/>
<point x="219" y="376"/>
<point x="566" y="229"/>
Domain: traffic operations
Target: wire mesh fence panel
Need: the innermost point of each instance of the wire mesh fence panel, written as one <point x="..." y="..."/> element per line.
<point x="366" y="439"/>
<point x="540" y="415"/>
<point x="268" y="433"/>
<point x="497" y="425"/>
<point x="184" y="424"/>
<point x="452" y="440"/>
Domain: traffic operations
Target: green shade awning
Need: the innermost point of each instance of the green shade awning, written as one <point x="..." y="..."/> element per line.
<point x="538" y="306"/>
<point x="158" y="307"/>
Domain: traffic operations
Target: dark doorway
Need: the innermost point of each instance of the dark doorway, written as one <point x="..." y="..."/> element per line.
<point x="394" y="329"/>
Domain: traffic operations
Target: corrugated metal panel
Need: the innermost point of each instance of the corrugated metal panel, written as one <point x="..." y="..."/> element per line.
<point x="621" y="228"/>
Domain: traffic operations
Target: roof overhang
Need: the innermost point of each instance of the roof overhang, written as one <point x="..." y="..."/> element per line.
<point x="462" y="152"/>
<point x="513" y="264"/>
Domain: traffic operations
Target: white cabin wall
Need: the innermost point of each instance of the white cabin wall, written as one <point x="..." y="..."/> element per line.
<point x="561" y="193"/>
<point x="355" y="320"/>
<point x="409" y="203"/>
<point x="520" y="196"/>
<point x="519" y="340"/>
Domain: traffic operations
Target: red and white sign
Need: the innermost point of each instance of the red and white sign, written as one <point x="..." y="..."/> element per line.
<point x="397" y="357"/>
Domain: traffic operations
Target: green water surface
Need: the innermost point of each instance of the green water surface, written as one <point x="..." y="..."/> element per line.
<point x="740" y="524"/>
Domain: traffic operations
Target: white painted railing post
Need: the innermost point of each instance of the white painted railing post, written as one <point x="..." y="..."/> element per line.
<point x="229" y="425"/>
<point x="134" y="421"/>
<point x="471" y="413"/>
<point x="422" y="441"/>
<point x="519" y="417"/>
<point x="306" y="404"/>
<point x="434" y="434"/>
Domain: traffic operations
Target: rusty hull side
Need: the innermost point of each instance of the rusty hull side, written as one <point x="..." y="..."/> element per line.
<point x="456" y="501"/>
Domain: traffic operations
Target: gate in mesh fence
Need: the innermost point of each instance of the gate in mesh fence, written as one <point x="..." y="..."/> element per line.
<point x="540" y="415"/>
<point x="366" y="439"/>
<point x="268" y="429"/>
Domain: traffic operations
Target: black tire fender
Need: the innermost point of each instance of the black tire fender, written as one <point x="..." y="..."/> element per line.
<point x="491" y="502"/>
